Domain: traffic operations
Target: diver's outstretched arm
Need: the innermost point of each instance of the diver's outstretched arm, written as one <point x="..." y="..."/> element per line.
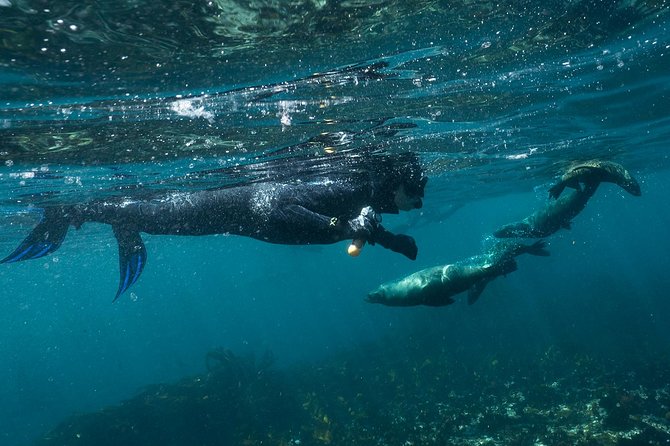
<point x="367" y="228"/>
<point x="317" y="228"/>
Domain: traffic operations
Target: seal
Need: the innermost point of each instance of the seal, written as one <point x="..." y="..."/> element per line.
<point x="596" y="171"/>
<point x="556" y="215"/>
<point x="319" y="210"/>
<point x="437" y="285"/>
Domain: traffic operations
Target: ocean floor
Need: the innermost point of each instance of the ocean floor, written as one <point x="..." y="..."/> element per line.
<point x="390" y="394"/>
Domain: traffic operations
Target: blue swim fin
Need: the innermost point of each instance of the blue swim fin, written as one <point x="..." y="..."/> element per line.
<point x="45" y="238"/>
<point x="132" y="257"/>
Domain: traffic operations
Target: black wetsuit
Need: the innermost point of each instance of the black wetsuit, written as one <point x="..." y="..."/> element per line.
<point x="307" y="213"/>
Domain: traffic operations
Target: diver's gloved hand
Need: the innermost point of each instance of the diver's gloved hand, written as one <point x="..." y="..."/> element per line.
<point x="365" y="226"/>
<point x="401" y="243"/>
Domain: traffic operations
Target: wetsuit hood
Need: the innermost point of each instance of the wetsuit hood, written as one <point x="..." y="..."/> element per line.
<point x="393" y="172"/>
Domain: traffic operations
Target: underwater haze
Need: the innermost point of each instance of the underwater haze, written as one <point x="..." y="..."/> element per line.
<point x="229" y="340"/>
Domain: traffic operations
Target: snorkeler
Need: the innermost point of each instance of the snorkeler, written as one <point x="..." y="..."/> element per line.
<point x="437" y="285"/>
<point x="319" y="211"/>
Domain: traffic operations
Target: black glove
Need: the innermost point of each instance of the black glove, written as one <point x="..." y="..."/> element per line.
<point x="401" y="243"/>
<point x="365" y="226"/>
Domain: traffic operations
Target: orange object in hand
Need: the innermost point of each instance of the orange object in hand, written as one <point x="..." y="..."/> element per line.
<point x="354" y="249"/>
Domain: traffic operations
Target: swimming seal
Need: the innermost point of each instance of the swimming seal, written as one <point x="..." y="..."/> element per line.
<point x="556" y="215"/>
<point x="436" y="286"/>
<point x="596" y="171"/>
<point x="315" y="211"/>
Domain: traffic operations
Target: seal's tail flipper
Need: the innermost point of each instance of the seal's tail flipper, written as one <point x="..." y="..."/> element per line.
<point x="539" y="248"/>
<point x="132" y="257"/>
<point x="45" y="238"/>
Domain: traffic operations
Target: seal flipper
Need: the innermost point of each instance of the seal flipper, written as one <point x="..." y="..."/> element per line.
<point x="132" y="257"/>
<point x="508" y="266"/>
<point x="476" y="290"/>
<point x="45" y="238"/>
<point x="539" y="248"/>
<point x="556" y="190"/>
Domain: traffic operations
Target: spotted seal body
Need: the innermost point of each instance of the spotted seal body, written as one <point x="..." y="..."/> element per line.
<point x="596" y="171"/>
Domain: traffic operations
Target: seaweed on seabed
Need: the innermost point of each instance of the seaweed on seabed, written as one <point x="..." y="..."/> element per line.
<point x="239" y="400"/>
<point x="262" y="395"/>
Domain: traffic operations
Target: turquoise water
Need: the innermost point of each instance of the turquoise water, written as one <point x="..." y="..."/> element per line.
<point x="497" y="99"/>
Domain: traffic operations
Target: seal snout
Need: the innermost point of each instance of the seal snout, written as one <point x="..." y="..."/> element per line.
<point x="633" y="187"/>
<point x="375" y="297"/>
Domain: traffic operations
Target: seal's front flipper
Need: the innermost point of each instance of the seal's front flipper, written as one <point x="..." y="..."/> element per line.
<point x="132" y="257"/>
<point x="556" y="190"/>
<point x="44" y="239"/>
<point x="476" y="290"/>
